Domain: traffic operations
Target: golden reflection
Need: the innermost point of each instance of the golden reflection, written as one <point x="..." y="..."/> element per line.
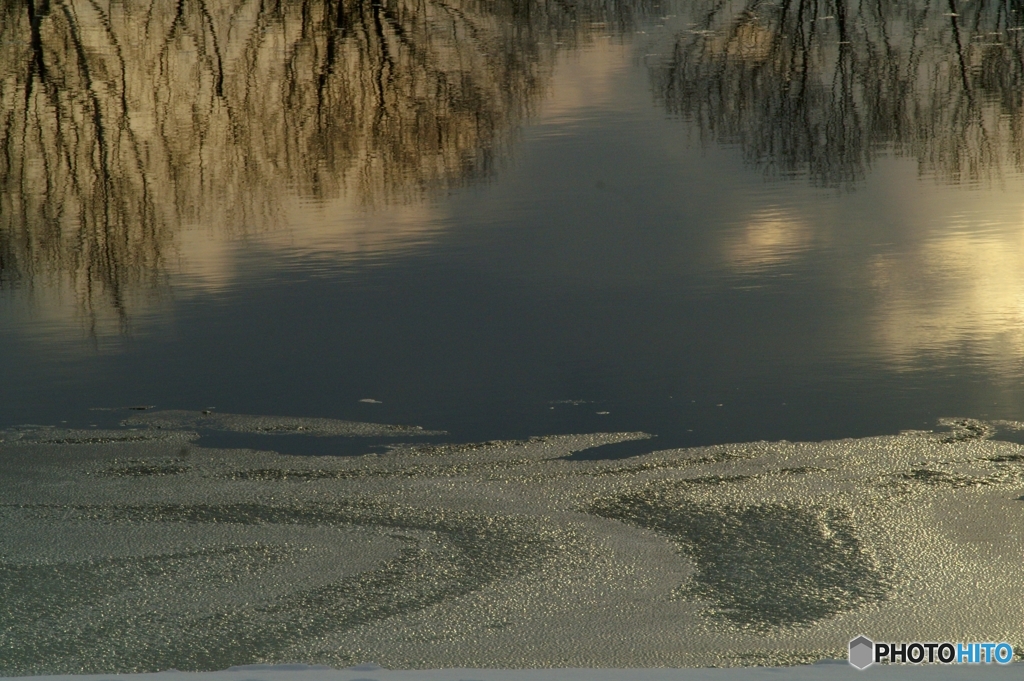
<point x="958" y="291"/>
<point x="126" y="122"/>
<point x="822" y="89"/>
<point x="206" y="258"/>
<point x="586" y="80"/>
<point x="768" y="239"/>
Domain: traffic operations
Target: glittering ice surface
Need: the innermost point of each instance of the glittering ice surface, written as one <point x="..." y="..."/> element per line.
<point x="829" y="671"/>
<point x="135" y="550"/>
<point x="269" y="425"/>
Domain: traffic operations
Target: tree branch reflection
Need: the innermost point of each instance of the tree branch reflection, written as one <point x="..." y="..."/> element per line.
<point x="822" y="87"/>
<point x="123" y="121"/>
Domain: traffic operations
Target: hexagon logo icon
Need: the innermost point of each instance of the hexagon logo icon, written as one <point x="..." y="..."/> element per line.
<point x="862" y="652"/>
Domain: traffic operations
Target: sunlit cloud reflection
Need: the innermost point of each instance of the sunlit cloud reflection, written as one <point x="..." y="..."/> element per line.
<point x="960" y="293"/>
<point x="768" y="239"/>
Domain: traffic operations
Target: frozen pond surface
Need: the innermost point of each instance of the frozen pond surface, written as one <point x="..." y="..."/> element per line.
<point x="134" y="550"/>
<point x="515" y="282"/>
<point x="371" y="672"/>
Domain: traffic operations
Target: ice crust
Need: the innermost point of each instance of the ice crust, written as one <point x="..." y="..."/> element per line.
<point x="137" y="551"/>
<point x="270" y="425"/>
<point x="832" y="671"/>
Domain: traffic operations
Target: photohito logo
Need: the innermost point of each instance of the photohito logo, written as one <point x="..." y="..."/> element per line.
<point x="864" y="652"/>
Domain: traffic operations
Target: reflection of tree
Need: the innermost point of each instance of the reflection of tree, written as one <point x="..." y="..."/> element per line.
<point x="121" y="121"/>
<point x="821" y="86"/>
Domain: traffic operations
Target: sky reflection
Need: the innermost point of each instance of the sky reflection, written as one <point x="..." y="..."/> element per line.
<point x="768" y="239"/>
<point x="960" y="293"/>
<point x="625" y="210"/>
<point x="127" y="123"/>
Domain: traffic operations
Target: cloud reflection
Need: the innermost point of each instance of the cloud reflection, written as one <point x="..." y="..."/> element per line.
<point x="834" y="91"/>
<point x="126" y="123"/>
<point x="957" y="293"/>
<point x="768" y="239"/>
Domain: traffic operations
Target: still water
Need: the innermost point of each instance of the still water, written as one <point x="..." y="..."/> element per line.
<point x="709" y="221"/>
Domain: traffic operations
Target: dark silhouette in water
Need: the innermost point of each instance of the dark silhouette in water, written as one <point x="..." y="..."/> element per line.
<point x="821" y="87"/>
<point x="123" y="121"/>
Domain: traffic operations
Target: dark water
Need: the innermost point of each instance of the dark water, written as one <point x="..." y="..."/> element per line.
<point x="714" y="222"/>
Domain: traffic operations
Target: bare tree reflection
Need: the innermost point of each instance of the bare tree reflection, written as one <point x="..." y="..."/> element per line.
<point x="823" y="86"/>
<point x="124" y="120"/>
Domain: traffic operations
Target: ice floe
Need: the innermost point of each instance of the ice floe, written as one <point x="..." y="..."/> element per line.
<point x="138" y="551"/>
<point x="270" y="425"/>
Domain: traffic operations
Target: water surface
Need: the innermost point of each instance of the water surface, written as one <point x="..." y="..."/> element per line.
<point x="710" y="222"/>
